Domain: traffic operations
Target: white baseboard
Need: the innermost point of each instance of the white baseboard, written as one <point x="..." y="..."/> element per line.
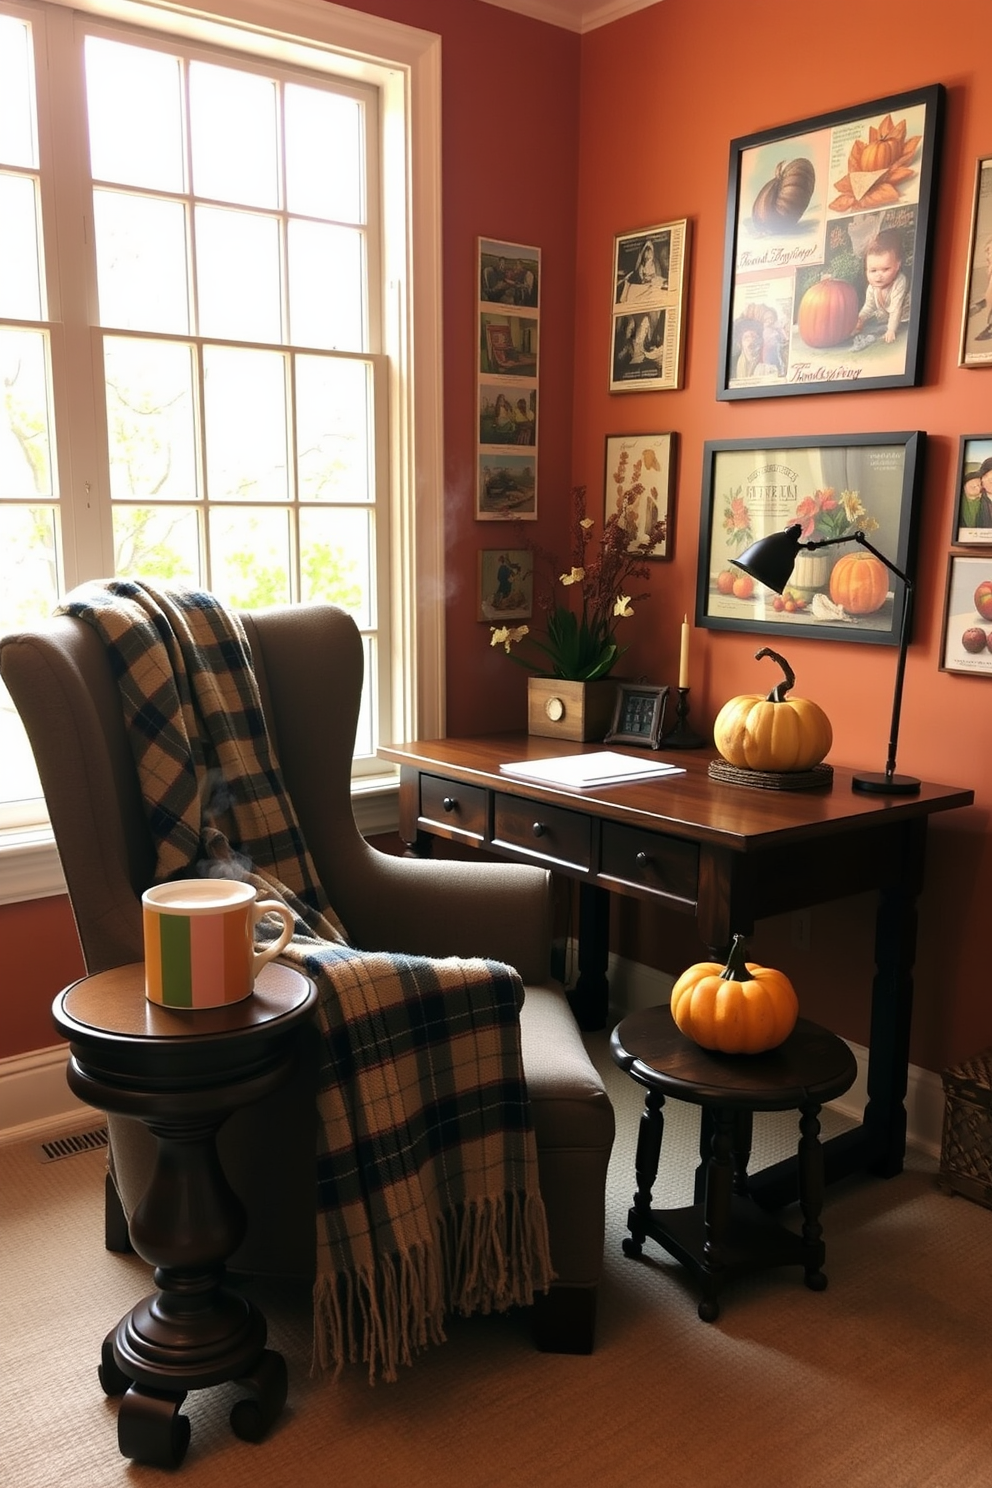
<point x="36" y="1103"/>
<point x="634" y="986"/>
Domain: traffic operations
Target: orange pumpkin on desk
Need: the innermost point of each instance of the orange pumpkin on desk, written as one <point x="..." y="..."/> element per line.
<point x="773" y="732"/>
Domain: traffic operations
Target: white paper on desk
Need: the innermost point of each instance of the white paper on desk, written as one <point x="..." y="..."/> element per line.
<point x="582" y="771"/>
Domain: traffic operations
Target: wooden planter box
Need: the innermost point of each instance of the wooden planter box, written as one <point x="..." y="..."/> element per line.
<point x="966" y="1148"/>
<point x="570" y="710"/>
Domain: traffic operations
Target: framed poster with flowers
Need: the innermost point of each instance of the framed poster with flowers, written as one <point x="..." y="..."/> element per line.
<point x="826" y="261"/>
<point x="831" y="487"/>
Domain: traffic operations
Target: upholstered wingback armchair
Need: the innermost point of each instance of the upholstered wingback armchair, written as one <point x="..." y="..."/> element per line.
<point x="309" y="664"/>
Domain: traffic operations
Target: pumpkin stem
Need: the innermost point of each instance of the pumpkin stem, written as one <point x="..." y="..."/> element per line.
<point x="736" y="969"/>
<point x="777" y="694"/>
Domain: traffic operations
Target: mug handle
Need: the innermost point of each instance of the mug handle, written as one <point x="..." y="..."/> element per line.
<point x="261" y="909"/>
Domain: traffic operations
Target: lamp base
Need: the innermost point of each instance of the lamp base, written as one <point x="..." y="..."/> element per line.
<point x="880" y="784"/>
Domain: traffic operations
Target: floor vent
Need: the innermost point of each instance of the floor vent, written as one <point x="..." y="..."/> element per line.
<point x="69" y="1146"/>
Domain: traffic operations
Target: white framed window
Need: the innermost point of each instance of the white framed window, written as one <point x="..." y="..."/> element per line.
<point x="219" y="325"/>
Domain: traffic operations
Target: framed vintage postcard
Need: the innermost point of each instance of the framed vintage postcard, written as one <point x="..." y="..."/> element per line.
<point x="506" y="584"/>
<point x="639" y="715"/>
<point x="972" y="527"/>
<point x="508" y="286"/>
<point x="831" y="486"/>
<point x="826" y="260"/>
<point x="976" y="328"/>
<point x="507" y="487"/>
<point x="646" y="462"/>
<point x="649" y="298"/>
<point x="966" y="643"/>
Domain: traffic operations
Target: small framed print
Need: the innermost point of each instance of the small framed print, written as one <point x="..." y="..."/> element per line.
<point x="649" y="296"/>
<point x="966" y="644"/>
<point x="639" y="715"/>
<point x="506" y="584"/>
<point x="644" y="461"/>
<point x="976" y="327"/>
<point x="973" y="492"/>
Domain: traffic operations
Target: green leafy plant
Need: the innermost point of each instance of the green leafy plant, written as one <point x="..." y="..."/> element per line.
<point x="580" y="643"/>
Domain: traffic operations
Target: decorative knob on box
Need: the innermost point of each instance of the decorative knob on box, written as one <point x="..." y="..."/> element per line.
<point x="555" y="708"/>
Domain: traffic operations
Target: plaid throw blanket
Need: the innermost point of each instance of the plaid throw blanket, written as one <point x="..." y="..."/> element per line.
<point x="426" y="1184"/>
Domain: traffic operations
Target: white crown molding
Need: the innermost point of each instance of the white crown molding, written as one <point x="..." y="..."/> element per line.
<point x="574" y="15"/>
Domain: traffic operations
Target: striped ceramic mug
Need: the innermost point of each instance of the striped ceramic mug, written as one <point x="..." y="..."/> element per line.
<point x="200" y="941"/>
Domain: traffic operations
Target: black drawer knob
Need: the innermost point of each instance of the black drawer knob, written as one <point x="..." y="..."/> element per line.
<point x="539" y="829"/>
<point x="642" y="859"/>
<point x="449" y="803"/>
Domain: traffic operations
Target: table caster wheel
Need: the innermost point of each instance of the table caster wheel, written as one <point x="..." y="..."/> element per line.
<point x="267" y="1385"/>
<point x="150" y="1428"/>
<point x="709" y="1309"/>
<point x="113" y="1381"/>
<point x="630" y="1247"/>
<point x="816" y="1281"/>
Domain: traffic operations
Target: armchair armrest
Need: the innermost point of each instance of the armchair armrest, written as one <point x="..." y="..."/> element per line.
<point x="430" y="907"/>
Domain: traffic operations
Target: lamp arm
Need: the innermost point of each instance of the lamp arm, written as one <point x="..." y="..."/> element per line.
<point x="859" y="537"/>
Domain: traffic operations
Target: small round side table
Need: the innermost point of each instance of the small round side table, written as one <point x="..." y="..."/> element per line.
<point x="727" y="1232"/>
<point x="182" y="1073"/>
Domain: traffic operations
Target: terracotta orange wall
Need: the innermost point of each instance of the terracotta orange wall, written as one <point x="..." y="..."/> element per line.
<point x="664" y="92"/>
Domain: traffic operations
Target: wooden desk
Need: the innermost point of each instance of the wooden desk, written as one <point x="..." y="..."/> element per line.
<point x="726" y="854"/>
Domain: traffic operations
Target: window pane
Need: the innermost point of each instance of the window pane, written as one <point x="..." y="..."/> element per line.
<point x="141" y="262"/>
<point x="20" y="282"/>
<point x="28" y="543"/>
<point x="237" y="275"/>
<point x="157" y="543"/>
<point x="332" y="429"/>
<point x="233" y="135"/>
<point x="335" y="548"/>
<point x="25" y="436"/>
<point x="250" y="557"/>
<point x="18" y="139"/>
<point x="134" y="107"/>
<point x="323" y="154"/>
<point x="326" y="291"/>
<point x="244" y="396"/>
<point x="150" y="428"/>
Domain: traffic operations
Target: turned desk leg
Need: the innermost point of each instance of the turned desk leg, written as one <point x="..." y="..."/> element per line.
<point x="590" y="997"/>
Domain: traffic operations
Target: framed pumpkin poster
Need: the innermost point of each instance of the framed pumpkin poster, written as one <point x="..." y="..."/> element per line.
<point x="826" y="261"/>
<point x="831" y="487"/>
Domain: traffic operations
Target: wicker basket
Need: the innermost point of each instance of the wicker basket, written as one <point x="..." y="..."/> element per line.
<point x="966" y="1148"/>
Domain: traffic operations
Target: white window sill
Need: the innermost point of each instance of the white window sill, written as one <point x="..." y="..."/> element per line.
<point x="30" y="867"/>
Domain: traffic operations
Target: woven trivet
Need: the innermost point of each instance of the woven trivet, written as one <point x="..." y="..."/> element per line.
<point x="772" y="779"/>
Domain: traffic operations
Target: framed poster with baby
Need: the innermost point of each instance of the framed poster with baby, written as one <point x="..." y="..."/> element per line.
<point x="649" y="294"/>
<point x="976" y="328"/>
<point x="826" y="261"/>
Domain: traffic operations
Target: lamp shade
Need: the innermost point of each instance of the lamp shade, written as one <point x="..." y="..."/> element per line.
<point x="771" y="559"/>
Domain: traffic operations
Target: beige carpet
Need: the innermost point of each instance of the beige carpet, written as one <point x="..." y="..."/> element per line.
<point x="882" y="1381"/>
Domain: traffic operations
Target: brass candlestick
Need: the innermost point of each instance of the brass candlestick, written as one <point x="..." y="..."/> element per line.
<point x="682" y="736"/>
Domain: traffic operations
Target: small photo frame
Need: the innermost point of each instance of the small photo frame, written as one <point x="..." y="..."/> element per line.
<point x="645" y="460"/>
<point x="506" y="584"/>
<point x="976" y="321"/>
<point x="509" y="273"/>
<point x="966" y="642"/>
<point x="507" y="487"/>
<point x="639" y="715"/>
<point x="649" y="297"/>
<point x="973" y="493"/>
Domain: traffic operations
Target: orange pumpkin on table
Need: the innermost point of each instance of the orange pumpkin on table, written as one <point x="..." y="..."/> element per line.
<point x="740" y="1008"/>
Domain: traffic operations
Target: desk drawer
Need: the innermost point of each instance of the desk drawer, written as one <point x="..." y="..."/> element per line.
<point x="648" y="860"/>
<point x="543" y="832"/>
<point x="459" y="809"/>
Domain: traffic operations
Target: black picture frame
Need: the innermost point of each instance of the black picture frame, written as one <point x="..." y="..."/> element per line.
<point x="638" y="715"/>
<point x="972" y="504"/>
<point x="804" y="204"/>
<point x="754" y="487"/>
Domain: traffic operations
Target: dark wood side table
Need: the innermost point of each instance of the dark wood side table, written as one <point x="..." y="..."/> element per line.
<point x="726" y="1232"/>
<point x="183" y="1073"/>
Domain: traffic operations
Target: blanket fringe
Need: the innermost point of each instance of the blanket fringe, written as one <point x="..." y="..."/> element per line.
<point x="490" y="1255"/>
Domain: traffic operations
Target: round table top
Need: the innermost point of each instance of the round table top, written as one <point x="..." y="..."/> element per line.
<point x="811" y="1067"/>
<point x="113" y="1004"/>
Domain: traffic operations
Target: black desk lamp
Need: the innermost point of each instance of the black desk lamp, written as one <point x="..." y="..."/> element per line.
<point x="771" y="560"/>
